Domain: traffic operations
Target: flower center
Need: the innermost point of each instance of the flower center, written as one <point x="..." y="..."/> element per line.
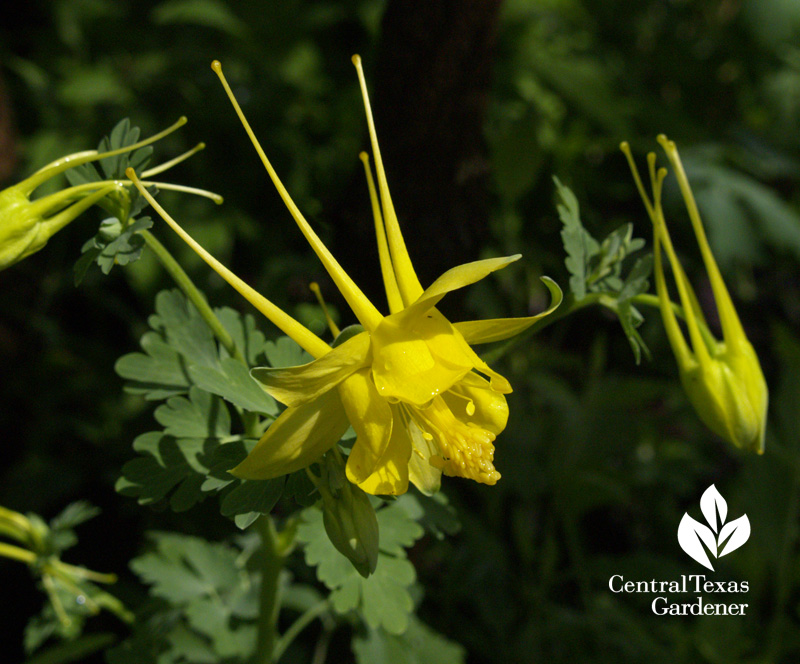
<point x="465" y="449"/>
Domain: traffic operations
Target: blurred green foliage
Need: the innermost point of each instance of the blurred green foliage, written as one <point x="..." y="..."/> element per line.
<point x="601" y="457"/>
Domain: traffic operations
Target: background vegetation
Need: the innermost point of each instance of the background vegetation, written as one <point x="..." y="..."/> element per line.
<point x="478" y="105"/>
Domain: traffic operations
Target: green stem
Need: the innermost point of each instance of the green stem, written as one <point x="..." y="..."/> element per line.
<point x="298" y="626"/>
<point x="570" y="306"/>
<point x="192" y="292"/>
<point x="272" y="559"/>
<point x="250" y="420"/>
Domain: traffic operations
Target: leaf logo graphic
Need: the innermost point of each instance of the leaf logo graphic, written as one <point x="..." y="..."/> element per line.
<point x="720" y="538"/>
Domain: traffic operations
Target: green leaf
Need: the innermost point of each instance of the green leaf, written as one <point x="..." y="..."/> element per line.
<point x="73" y="515"/>
<point x="74" y="651"/>
<point x="186" y="331"/>
<point x="300" y="488"/>
<point x="195" y="355"/>
<point x="438" y="518"/>
<point x="167" y="466"/>
<point x="231" y="380"/>
<point x="383" y="599"/>
<point x="183" y="568"/>
<point x="419" y="644"/>
<point x="214" y="595"/>
<point x="207" y="617"/>
<point x="158" y="373"/>
<point x="199" y="416"/>
<point x="629" y="316"/>
<point x="578" y="244"/>
<point x="223" y="458"/>
<point x="251" y="499"/>
<point x="284" y="352"/>
<point x="61" y="535"/>
<point x="244" y="333"/>
<point x="113" y="245"/>
<point x="630" y="319"/>
<point x="637" y="280"/>
<point x="398" y="525"/>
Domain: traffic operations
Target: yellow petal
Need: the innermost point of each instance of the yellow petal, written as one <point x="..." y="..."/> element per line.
<point x="455" y="278"/>
<point x="296" y="439"/>
<point x="295" y="385"/>
<point x="421" y="473"/>
<point x="390" y="477"/>
<point x="497" y="329"/>
<point x="473" y="400"/>
<point x="415" y="364"/>
<point x="371" y="417"/>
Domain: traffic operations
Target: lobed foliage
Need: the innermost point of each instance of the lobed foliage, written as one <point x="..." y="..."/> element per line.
<point x="602" y="454"/>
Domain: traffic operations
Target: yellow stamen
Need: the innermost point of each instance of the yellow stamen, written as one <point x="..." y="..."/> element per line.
<point x="288" y="325"/>
<point x="314" y="286"/>
<point x="465" y="450"/>
<point x="407" y="280"/>
<point x="364" y="310"/>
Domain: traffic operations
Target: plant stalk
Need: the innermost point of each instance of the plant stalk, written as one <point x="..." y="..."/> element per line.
<point x="196" y="297"/>
<point x="272" y="560"/>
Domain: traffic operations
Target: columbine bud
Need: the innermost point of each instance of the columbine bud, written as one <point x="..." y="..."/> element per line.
<point x="26" y="225"/>
<point x="348" y="516"/>
<point x="722" y="379"/>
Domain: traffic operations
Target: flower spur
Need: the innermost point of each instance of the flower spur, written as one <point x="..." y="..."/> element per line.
<point x="419" y="398"/>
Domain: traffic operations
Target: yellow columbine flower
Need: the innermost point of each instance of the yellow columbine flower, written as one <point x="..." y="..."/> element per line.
<point x="420" y="399"/>
<point x="26" y="225"/>
<point x="722" y="379"/>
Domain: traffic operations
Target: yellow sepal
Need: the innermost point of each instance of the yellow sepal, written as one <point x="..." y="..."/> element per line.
<point x="371" y="417"/>
<point x="299" y="437"/>
<point x="293" y="386"/>
<point x="498" y="329"/>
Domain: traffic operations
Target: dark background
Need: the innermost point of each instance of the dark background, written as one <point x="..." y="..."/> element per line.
<point x="478" y="104"/>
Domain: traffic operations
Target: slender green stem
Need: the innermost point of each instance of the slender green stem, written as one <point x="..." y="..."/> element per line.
<point x="570" y="305"/>
<point x="272" y="559"/>
<point x="250" y="420"/>
<point x="298" y="626"/>
<point x="192" y="292"/>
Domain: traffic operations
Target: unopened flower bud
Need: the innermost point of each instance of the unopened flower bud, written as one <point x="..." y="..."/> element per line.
<point x="722" y="379"/>
<point x="27" y="224"/>
<point x="348" y="516"/>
